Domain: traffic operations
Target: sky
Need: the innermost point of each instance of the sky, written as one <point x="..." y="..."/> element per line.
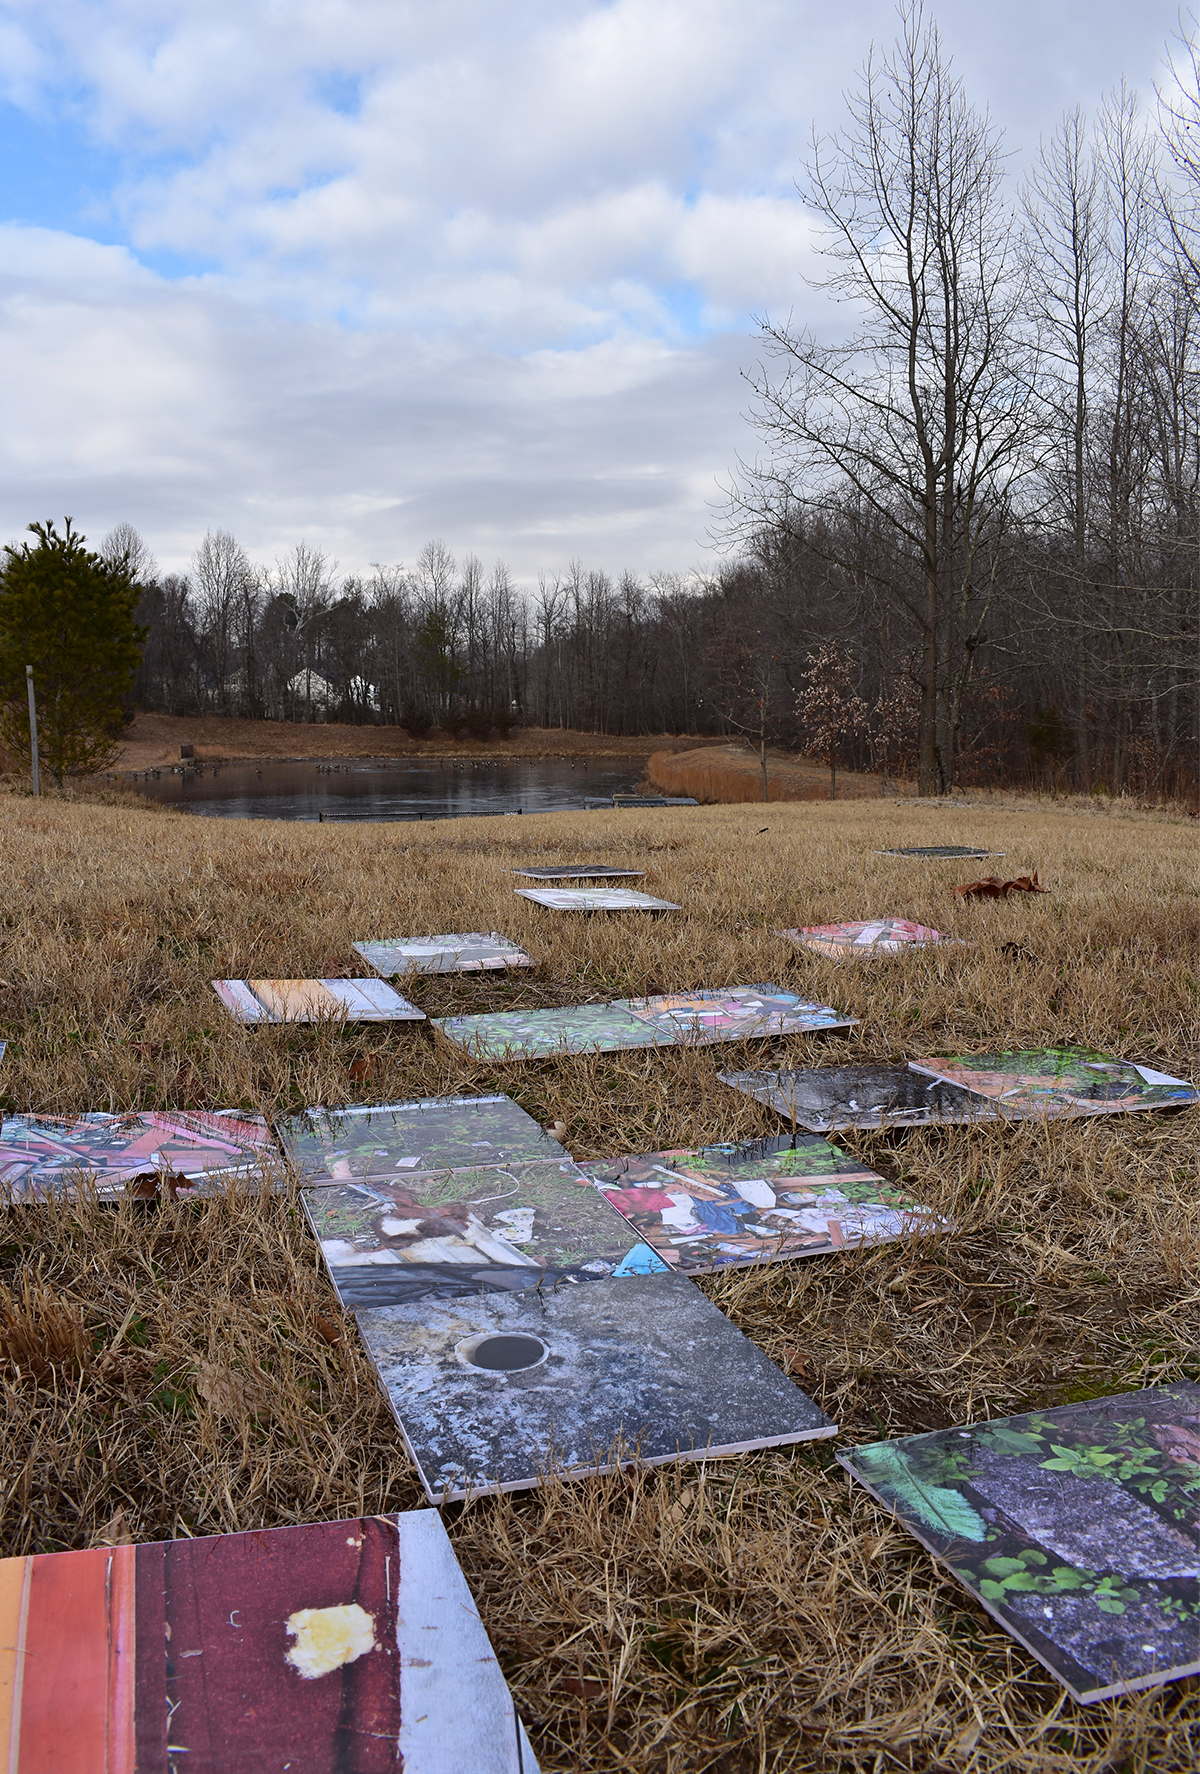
<point x="368" y="272"/>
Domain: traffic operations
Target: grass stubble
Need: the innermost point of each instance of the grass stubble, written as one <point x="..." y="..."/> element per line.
<point x="184" y="1368"/>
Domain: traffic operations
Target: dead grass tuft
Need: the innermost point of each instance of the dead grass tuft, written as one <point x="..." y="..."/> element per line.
<point x="182" y="1367"/>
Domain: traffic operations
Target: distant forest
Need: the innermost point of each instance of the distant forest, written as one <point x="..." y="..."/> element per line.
<point x="968" y="544"/>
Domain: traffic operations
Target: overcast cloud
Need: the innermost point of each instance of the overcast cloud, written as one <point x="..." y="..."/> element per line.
<point x="367" y="272"/>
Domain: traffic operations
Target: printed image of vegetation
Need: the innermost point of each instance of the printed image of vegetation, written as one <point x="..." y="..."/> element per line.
<point x="332" y="1145"/>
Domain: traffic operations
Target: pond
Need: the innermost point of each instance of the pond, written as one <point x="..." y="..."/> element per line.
<point x="378" y="788"/>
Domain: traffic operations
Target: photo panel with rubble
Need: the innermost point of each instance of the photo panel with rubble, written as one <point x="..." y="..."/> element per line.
<point x="376" y="1141"/>
<point x="474" y="951"/>
<point x="759" y="1201"/>
<point x="346" y="1644"/>
<point x="1058" y="1081"/>
<point x="503" y="1390"/>
<point x="595" y="899"/>
<point x="444" y="1234"/>
<point x="824" y="1099"/>
<point x="579" y="871"/>
<point x="940" y="852"/>
<point x="670" y="1019"/>
<point x="1076" y="1528"/>
<point x="186" y="1152"/>
<point x="315" y="1000"/>
<point x="855" y="939"/>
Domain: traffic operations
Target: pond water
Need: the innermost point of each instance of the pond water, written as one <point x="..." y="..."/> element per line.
<point x="377" y="788"/>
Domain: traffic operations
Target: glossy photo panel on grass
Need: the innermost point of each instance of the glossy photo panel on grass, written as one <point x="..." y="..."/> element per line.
<point x="579" y="871"/>
<point x="348" y="1645"/>
<point x="596" y="899"/>
<point x="940" y="852"/>
<point x="877" y="936"/>
<point x="475" y="951"/>
<point x="502" y="1390"/>
<point x="824" y="1099"/>
<point x="381" y="1140"/>
<point x="1077" y="1528"/>
<point x="444" y="1234"/>
<point x="738" y="1013"/>
<point x="1066" y="1081"/>
<point x="315" y="1000"/>
<point x="189" y="1152"/>
<point x="758" y="1202"/>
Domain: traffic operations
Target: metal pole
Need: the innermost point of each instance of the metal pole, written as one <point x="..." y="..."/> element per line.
<point x="33" y="745"/>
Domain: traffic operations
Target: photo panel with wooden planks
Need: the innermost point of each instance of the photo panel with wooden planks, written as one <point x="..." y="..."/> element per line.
<point x="1077" y="1528"/>
<point x="314" y="1000"/>
<point x="856" y="939"/>
<point x="596" y="899"/>
<point x="445" y="1234"/>
<point x="759" y="1201"/>
<point x="474" y="951"/>
<point x="185" y="1152"/>
<point x="737" y="1013"/>
<point x="339" y="1645"/>
<point x="502" y="1391"/>
<point x="381" y="1140"/>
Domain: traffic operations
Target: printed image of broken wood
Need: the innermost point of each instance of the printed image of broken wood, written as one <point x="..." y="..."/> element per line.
<point x="992" y="887"/>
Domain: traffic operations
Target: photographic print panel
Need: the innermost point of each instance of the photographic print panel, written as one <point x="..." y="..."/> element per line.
<point x="824" y="1099"/>
<point x="314" y="1000"/>
<point x="1076" y="1528"/>
<point x="595" y="899"/>
<point x="192" y="1151"/>
<point x="579" y="871"/>
<point x="877" y="936"/>
<point x="1054" y="1081"/>
<point x="381" y="1140"/>
<point x="475" y="951"/>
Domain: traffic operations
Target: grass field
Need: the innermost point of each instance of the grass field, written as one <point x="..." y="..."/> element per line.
<point x="184" y="1369"/>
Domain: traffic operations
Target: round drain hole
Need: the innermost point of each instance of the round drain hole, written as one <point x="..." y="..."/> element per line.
<point x="502" y="1354"/>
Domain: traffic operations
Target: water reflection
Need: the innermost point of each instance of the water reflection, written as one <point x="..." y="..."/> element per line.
<point x="333" y="788"/>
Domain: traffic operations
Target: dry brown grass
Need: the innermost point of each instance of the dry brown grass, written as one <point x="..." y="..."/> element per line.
<point x="731" y="772"/>
<point x="185" y="1368"/>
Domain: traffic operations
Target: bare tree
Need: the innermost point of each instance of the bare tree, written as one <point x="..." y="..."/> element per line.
<point x="922" y="416"/>
<point x="219" y="571"/>
<point x="125" y="547"/>
<point x="829" y="706"/>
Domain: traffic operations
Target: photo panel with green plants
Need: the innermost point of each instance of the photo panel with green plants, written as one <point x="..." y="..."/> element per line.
<point x="1058" y="1081"/>
<point x="1077" y="1528"/>
<point x="381" y="1140"/>
<point x="443" y="1234"/>
<point x="508" y="1390"/>
<point x="472" y="951"/>
<point x="670" y="1019"/>
<point x="760" y="1201"/>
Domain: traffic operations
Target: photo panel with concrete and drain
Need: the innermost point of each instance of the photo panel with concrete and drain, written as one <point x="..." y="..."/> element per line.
<point x="1076" y="1528"/>
<point x="502" y="1390"/>
<point x="757" y="1201"/>
<point x="314" y="1001"/>
<point x="348" y="1644"/>
<point x="178" y="1152"/>
<point x="375" y="1141"/>
<point x="473" y="951"/>
<point x="448" y="1233"/>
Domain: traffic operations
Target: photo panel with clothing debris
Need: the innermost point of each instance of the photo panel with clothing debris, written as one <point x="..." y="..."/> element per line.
<point x="444" y="1234"/>
<point x="824" y="1099"/>
<point x="347" y="1644"/>
<point x="1058" y="1081"/>
<point x="504" y="1390"/>
<point x="596" y="899"/>
<point x="185" y="1152"/>
<point x="876" y="936"/>
<point x="737" y="1013"/>
<point x="579" y="871"/>
<point x="475" y="951"/>
<point x="376" y="1141"/>
<point x="314" y="1000"/>
<point x="1077" y="1528"/>
<point x="760" y="1201"/>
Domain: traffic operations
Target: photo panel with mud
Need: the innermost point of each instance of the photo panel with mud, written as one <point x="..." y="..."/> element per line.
<point x="349" y="1644"/>
<point x="670" y="1019"/>
<point x="760" y="1201"/>
<point x="1058" y="1081"/>
<point x="1077" y="1528"/>
<point x="859" y="938"/>
<point x="596" y="899"/>
<point x="501" y="1391"/>
<point x="444" y="1234"/>
<point x="474" y="951"/>
<point x="372" y="1142"/>
<point x="824" y="1099"/>
<point x="315" y="1001"/>
<point x="186" y="1152"/>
